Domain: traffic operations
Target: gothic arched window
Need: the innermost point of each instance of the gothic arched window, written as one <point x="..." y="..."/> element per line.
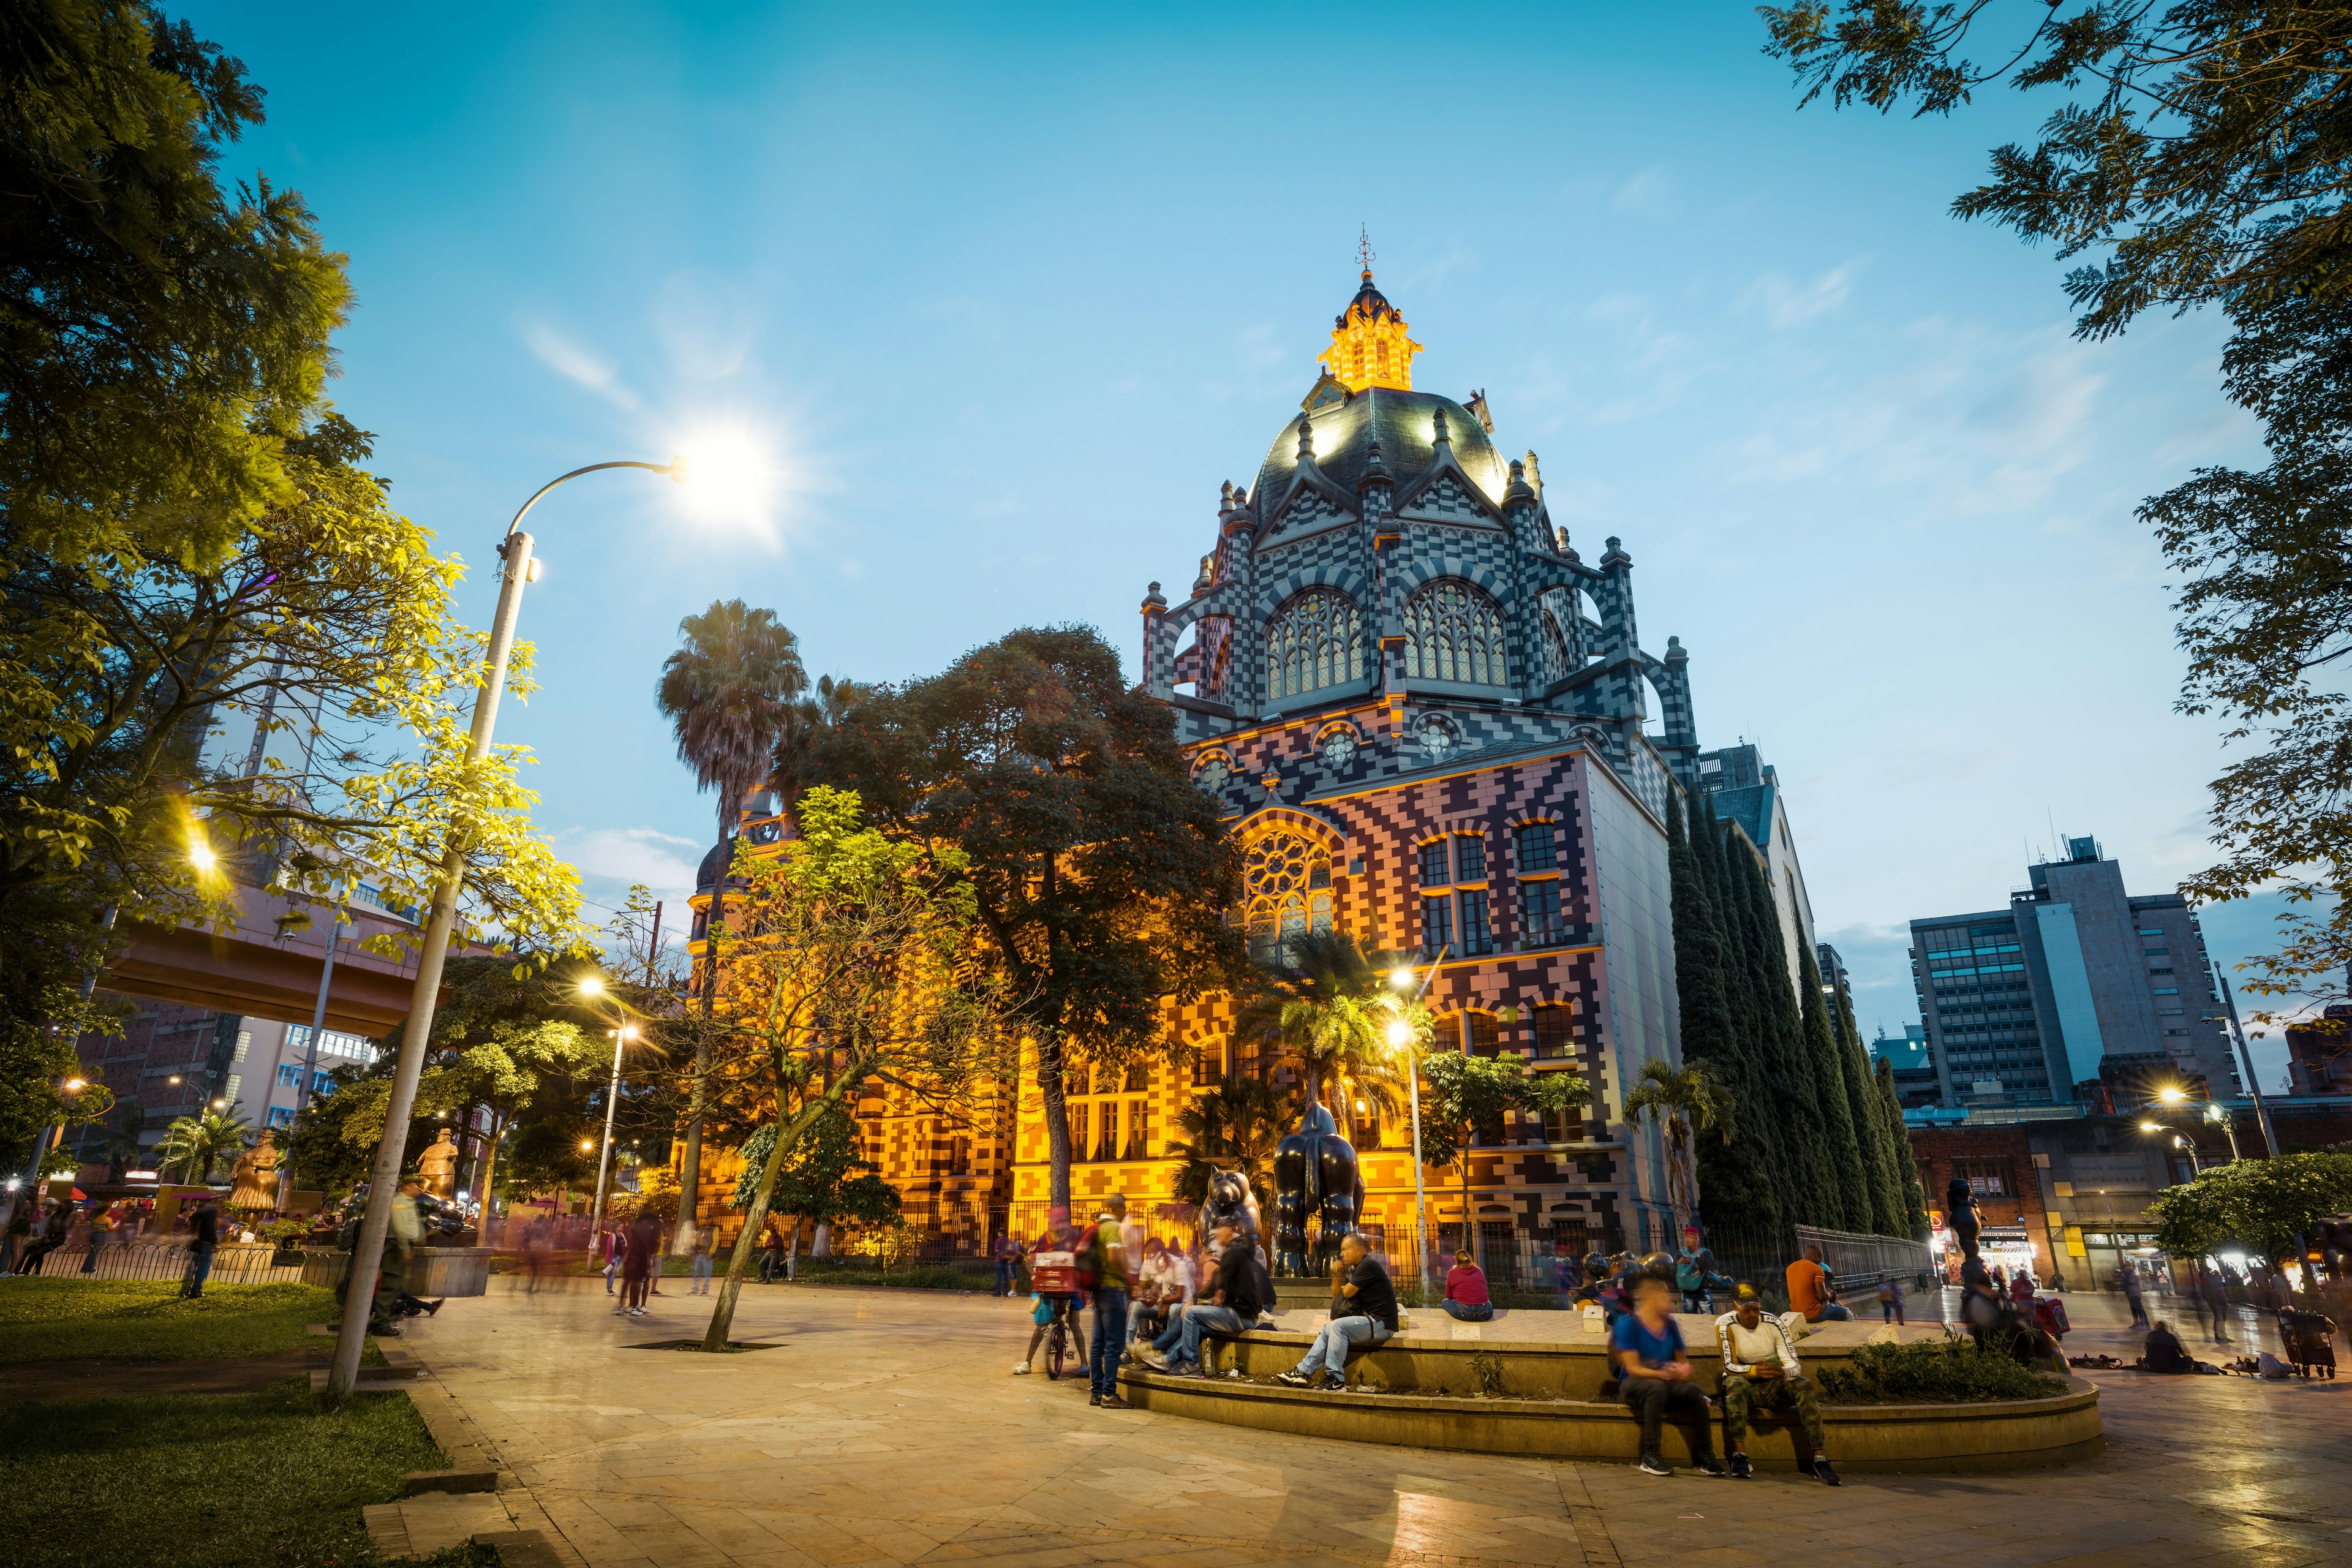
<point x="1285" y="890"/>
<point x="1314" y="641"/>
<point x="1558" y="613"/>
<point x="1455" y="633"/>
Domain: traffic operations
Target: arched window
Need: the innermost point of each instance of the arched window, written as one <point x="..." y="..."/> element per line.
<point x="1455" y="633"/>
<point x="1558" y="616"/>
<point x="1285" y="889"/>
<point x="1314" y="641"/>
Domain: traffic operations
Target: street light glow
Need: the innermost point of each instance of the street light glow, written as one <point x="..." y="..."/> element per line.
<point x="73" y="1085"/>
<point x="200" y="856"/>
<point x="728" y="472"/>
<point x="1400" y="978"/>
<point x="592" y="986"/>
<point x="587" y="1144"/>
<point x="2150" y="1127"/>
<point x="2172" y="1094"/>
<point x="1400" y="1032"/>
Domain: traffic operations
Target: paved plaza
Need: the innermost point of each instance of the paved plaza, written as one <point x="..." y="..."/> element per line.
<point x="885" y="1429"/>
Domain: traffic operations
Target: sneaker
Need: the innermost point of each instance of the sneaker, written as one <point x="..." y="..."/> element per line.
<point x="1095" y="1400"/>
<point x="620" y="1311"/>
<point x="1294" y="1378"/>
<point x="1156" y="1360"/>
<point x="1021" y="1369"/>
<point x="1185" y="1369"/>
<point x="1112" y="1402"/>
<point x="1740" y="1468"/>
<point x="433" y="1308"/>
<point x="1708" y="1465"/>
<point x="1333" y="1382"/>
<point x="1822" y="1472"/>
<point x="1651" y="1465"/>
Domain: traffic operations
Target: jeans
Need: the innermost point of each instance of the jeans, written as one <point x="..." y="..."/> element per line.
<point x="1657" y="1401"/>
<point x="1331" y="1343"/>
<point x="701" y="1274"/>
<point x="1836" y="1312"/>
<point x="2139" y="1309"/>
<point x="1110" y="1338"/>
<point x="1890" y="1311"/>
<point x="1469" y="1312"/>
<point x="199" y="1264"/>
<point x="1699" y="1300"/>
<point x="1197" y="1323"/>
<point x="1004" y="1277"/>
<point x="767" y="1266"/>
<point x="612" y="1267"/>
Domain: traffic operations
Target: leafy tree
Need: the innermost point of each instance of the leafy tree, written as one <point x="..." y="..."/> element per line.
<point x="1098" y="875"/>
<point x="1236" y="1126"/>
<point x="728" y="693"/>
<point x="1736" y="1177"/>
<point x="824" y="1181"/>
<point x="1328" y="1002"/>
<point x="1766" y="1006"/>
<point x="851" y="971"/>
<point x="1915" y="1212"/>
<point x="2199" y="159"/>
<point x="1841" y="1141"/>
<point x="1461" y="1093"/>
<point x="2265" y="1204"/>
<point x="197" y="1146"/>
<point x="1885" y="1148"/>
<point x="1683" y="1102"/>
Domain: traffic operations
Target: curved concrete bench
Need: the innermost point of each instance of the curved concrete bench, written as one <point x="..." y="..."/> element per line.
<point x="1420" y="1391"/>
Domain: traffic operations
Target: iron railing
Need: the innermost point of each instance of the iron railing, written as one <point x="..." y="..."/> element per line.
<point x="235" y="1263"/>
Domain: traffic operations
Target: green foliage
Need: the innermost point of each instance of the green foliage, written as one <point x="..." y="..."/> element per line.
<point x="1098" y="875"/>
<point x="823" y="1179"/>
<point x="2201" y="157"/>
<point x="2262" y="1205"/>
<point x="198" y="1146"/>
<point x="1329" y="1003"/>
<point x="1487" y="1368"/>
<point x="209" y="1480"/>
<point x="1235" y="1126"/>
<point x="1934" y="1371"/>
<point x="67" y="1318"/>
<point x="1849" y="1196"/>
<point x="1461" y="1093"/>
<point x="889" y="1244"/>
<point x="1683" y="1102"/>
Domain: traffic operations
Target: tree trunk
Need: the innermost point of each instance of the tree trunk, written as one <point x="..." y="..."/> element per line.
<point x="1057" y="1126"/>
<point x="491" y="1174"/>
<point x="1469" y="1227"/>
<point x="820" y="1241"/>
<point x="689" y="1170"/>
<point x="755" y="1220"/>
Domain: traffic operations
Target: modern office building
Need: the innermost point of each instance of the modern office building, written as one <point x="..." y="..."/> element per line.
<point x="1914" y="1066"/>
<point x="2023" y="1004"/>
<point x="1744" y="788"/>
<point x="2319" y="1053"/>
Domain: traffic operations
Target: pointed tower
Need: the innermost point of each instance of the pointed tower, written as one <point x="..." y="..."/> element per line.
<point x="1369" y="345"/>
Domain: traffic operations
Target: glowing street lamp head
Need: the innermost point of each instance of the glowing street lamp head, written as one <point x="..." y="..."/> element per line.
<point x="593" y="986"/>
<point x="200" y="856"/>
<point x="587" y="1144"/>
<point x="74" y="1085"/>
<point x="1400" y="978"/>
<point x="2172" y="1094"/>
<point x="1399" y="1033"/>
<point x="2150" y="1127"/>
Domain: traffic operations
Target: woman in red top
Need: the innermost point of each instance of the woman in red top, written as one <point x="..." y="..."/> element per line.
<point x="1465" y="1291"/>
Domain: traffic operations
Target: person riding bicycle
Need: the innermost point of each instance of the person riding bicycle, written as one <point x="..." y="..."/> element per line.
<point x="1053" y="1281"/>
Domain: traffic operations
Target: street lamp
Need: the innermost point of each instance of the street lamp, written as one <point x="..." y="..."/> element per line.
<point x="2178" y="1141"/>
<point x="2219" y="1114"/>
<point x="367" y="1257"/>
<point x="1401" y="1032"/>
<point x="622" y="1036"/>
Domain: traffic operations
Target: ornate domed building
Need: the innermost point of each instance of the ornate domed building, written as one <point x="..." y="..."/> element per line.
<point x="1428" y="720"/>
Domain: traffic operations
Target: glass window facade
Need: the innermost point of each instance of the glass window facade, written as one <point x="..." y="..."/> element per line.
<point x="1539" y="848"/>
<point x="1436" y="925"/>
<point x="1433" y="870"/>
<point x="1477" y="935"/>
<point x="1538" y="913"/>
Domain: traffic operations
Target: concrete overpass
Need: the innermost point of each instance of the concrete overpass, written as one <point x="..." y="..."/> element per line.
<point x="263" y="967"/>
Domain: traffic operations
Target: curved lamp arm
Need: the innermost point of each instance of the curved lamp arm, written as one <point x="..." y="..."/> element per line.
<point x="675" y="469"/>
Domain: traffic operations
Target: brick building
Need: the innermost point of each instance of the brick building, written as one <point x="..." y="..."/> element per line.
<point x="2002" y="1171"/>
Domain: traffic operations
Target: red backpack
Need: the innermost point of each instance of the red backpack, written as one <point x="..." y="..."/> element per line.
<point x="1088" y="1252"/>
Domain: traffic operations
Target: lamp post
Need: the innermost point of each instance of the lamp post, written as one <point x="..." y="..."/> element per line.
<point x="367" y="1258"/>
<point x="2178" y="1141"/>
<point x="622" y="1033"/>
<point x="2246" y="1062"/>
<point x="310" y="1054"/>
<point x="1400" y="1036"/>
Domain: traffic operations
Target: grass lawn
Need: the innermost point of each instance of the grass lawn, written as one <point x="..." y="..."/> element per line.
<point x="147" y="1320"/>
<point x="202" y="1481"/>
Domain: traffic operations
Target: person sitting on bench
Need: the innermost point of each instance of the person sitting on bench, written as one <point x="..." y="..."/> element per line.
<point x="1760" y="1372"/>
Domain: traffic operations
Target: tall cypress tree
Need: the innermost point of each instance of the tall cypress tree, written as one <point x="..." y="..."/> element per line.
<point x="1732" y="1183"/>
<point x="1778" y="1041"/>
<point x="1842" y="1137"/>
<point x="1761" y="1112"/>
<point x="1884" y="1150"/>
<point x="1915" y="1212"/>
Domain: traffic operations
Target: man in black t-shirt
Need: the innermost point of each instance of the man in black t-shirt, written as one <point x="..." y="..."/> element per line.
<point x="1229" y="1302"/>
<point x="1363" y="1311"/>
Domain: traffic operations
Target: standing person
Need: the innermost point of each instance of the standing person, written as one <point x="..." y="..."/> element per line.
<point x="701" y="1263"/>
<point x="2020" y="1289"/>
<point x="400" y="1239"/>
<point x="1696" y="1272"/>
<point x="1890" y="1299"/>
<point x="2132" y="1294"/>
<point x="1467" y="1298"/>
<point x="1363" y="1311"/>
<point x="204" y="1239"/>
<point x="642" y="1258"/>
<point x="1102" y="1250"/>
<point x="102" y="1222"/>
<point x="1653" y="1378"/>
<point x="608" y="1247"/>
<point x="20" y="1234"/>
<point x="1004" y="1266"/>
<point x="1810" y="1291"/>
<point x="1760" y="1372"/>
<point x="2216" y="1297"/>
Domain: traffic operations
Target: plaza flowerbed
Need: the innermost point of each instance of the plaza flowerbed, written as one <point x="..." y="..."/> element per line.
<point x="1540" y="1388"/>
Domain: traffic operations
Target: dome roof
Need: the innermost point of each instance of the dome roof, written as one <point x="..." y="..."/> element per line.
<point x="706" y="876"/>
<point x="1406" y="426"/>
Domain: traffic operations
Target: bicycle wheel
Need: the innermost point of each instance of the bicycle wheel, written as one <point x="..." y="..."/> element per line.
<point x="1057" y="1348"/>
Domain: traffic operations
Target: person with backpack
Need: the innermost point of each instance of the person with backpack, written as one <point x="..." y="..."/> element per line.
<point x="1890" y="1299"/>
<point x="1104" y="1274"/>
<point x="1234" y="1293"/>
<point x="1696" y="1271"/>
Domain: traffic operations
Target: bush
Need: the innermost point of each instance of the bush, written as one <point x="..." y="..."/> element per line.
<point x="1940" y="1371"/>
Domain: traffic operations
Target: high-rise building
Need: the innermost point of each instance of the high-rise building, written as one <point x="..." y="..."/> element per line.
<point x="2075" y="978"/>
<point x="1906" y="1055"/>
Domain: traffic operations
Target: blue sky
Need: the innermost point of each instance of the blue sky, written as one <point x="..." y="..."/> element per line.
<point x="1008" y="294"/>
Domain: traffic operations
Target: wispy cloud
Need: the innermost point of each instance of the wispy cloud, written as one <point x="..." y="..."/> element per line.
<point x="1786" y="302"/>
<point x="614" y="858"/>
<point x="571" y="361"/>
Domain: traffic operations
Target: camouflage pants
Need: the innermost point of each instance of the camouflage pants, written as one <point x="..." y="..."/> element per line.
<point x="1741" y="1394"/>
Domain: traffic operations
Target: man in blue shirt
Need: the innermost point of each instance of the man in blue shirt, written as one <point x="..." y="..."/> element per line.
<point x="1654" y="1379"/>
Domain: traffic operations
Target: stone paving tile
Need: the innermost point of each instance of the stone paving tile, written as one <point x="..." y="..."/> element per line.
<point x="885" y="1432"/>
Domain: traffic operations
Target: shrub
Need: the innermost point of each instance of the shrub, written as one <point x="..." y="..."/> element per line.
<point x="1938" y="1370"/>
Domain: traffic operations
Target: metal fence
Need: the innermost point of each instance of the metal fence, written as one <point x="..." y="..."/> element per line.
<point x="234" y="1264"/>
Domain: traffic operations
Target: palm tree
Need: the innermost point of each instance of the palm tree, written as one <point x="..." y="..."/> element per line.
<point x="806" y="720"/>
<point x="728" y="693"/>
<point x="1328" y="1002"/>
<point x="1235" y="1126"/>
<point x="195" y="1145"/>
<point x="1683" y="1102"/>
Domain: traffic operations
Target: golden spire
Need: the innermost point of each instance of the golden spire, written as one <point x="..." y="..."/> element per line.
<point x="1369" y="345"/>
